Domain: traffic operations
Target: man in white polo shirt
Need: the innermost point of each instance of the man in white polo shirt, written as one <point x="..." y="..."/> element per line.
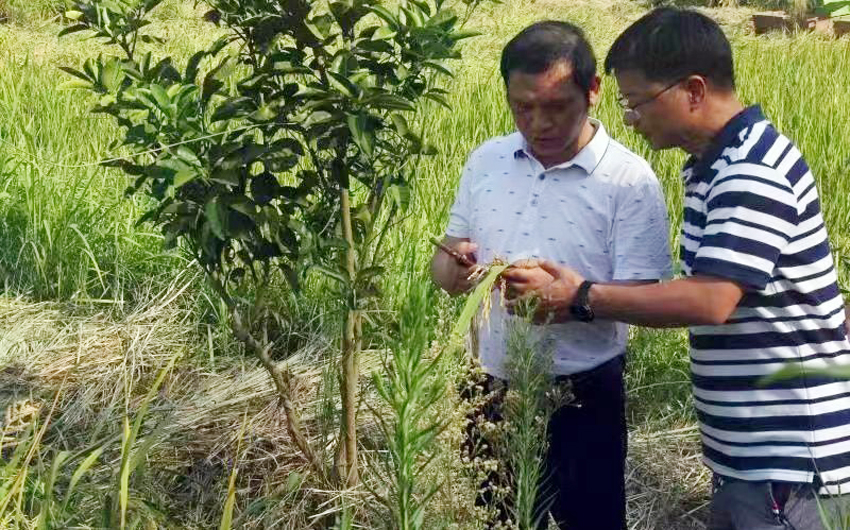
<point x="561" y="189"/>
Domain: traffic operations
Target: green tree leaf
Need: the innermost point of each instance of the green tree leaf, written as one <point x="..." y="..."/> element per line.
<point x="216" y="216"/>
<point x="358" y="125"/>
<point x="184" y="177"/>
<point x="385" y="14"/>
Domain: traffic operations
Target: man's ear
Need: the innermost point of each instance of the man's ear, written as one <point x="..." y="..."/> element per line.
<point x="595" y="91"/>
<point x="697" y="88"/>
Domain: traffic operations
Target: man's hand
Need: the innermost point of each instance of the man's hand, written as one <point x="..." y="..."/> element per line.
<point x="448" y="272"/>
<point x="528" y="279"/>
<point x="525" y="278"/>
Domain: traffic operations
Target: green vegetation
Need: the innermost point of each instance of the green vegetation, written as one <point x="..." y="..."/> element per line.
<point x="96" y="310"/>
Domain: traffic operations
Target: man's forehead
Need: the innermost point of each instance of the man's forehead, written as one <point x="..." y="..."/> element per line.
<point x="630" y="81"/>
<point x="553" y="78"/>
<point x="556" y="74"/>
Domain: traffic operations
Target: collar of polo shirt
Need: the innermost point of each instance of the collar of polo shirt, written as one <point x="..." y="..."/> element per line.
<point x="700" y="167"/>
<point x="587" y="158"/>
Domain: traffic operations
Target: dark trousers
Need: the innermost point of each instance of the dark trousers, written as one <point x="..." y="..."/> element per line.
<point x="584" y="480"/>
<point x="744" y="505"/>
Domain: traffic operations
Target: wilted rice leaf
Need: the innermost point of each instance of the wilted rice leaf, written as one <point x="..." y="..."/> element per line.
<point x="480" y="295"/>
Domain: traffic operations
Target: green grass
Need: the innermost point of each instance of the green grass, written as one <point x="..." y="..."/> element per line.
<point x="68" y="234"/>
<point x="528" y="407"/>
<point x="23" y="10"/>
<point x="68" y="230"/>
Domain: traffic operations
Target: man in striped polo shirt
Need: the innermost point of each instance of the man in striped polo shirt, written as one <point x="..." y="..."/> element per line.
<point x="760" y="289"/>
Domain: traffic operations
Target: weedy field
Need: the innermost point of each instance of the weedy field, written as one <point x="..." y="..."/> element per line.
<point x="128" y="404"/>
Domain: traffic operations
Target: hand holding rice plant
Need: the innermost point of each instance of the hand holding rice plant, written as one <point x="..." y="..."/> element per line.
<point x="552" y="287"/>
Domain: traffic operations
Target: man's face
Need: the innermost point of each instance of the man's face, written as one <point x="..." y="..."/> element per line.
<point x="550" y="110"/>
<point x="658" y="111"/>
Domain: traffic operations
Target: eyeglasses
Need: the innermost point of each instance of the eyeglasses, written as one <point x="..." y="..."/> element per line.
<point x="630" y="112"/>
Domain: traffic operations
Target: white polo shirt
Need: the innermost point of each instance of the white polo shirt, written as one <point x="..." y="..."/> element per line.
<point x="601" y="213"/>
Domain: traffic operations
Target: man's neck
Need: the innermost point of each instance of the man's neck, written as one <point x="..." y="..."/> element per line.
<point x="570" y="152"/>
<point x="715" y="117"/>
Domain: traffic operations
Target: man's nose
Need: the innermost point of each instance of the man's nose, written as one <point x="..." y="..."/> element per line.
<point x="630" y="117"/>
<point x="540" y="120"/>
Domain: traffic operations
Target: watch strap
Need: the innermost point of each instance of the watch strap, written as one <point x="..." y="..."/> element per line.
<point x="580" y="307"/>
<point x="583" y="293"/>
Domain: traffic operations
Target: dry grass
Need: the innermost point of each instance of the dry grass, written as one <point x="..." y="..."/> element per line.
<point x="106" y="366"/>
<point x="106" y="362"/>
<point x="667" y="485"/>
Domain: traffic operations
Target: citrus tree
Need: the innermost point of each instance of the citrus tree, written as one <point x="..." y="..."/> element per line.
<point x="285" y="146"/>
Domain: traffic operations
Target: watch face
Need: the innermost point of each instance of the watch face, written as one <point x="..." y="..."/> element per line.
<point x="582" y="313"/>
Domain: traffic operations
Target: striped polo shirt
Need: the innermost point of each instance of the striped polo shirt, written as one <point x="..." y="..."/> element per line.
<point x="752" y="215"/>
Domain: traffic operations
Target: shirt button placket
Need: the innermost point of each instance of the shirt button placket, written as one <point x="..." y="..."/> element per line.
<point x="533" y="213"/>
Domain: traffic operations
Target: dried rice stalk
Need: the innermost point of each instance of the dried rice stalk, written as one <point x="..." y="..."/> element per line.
<point x="481" y="296"/>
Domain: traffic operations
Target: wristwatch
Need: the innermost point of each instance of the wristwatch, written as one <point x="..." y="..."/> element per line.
<point x="580" y="308"/>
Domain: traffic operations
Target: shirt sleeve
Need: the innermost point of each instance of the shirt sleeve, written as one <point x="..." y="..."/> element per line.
<point x="641" y="233"/>
<point x="460" y="216"/>
<point x="751" y="215"/>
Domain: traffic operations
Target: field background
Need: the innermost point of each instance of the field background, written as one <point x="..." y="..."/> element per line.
<point x="93" y="308"/>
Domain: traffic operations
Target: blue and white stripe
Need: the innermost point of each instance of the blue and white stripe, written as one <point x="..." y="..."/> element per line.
<point x="752" y="215"/>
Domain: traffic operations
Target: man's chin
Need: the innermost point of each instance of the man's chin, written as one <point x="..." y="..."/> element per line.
<point x="549" y="152"/>
<point x="665" y="147"/>
<point x="657" y="144"/>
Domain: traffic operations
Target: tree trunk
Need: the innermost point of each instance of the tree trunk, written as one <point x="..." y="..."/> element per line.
<point x="350" y="353"/>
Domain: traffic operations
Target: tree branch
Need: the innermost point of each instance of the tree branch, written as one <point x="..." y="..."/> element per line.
<point x="283" y="383"/>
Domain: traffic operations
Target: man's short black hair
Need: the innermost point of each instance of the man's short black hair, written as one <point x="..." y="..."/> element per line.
<point x="543" y="44"/>
<point x="669" y="44"/>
